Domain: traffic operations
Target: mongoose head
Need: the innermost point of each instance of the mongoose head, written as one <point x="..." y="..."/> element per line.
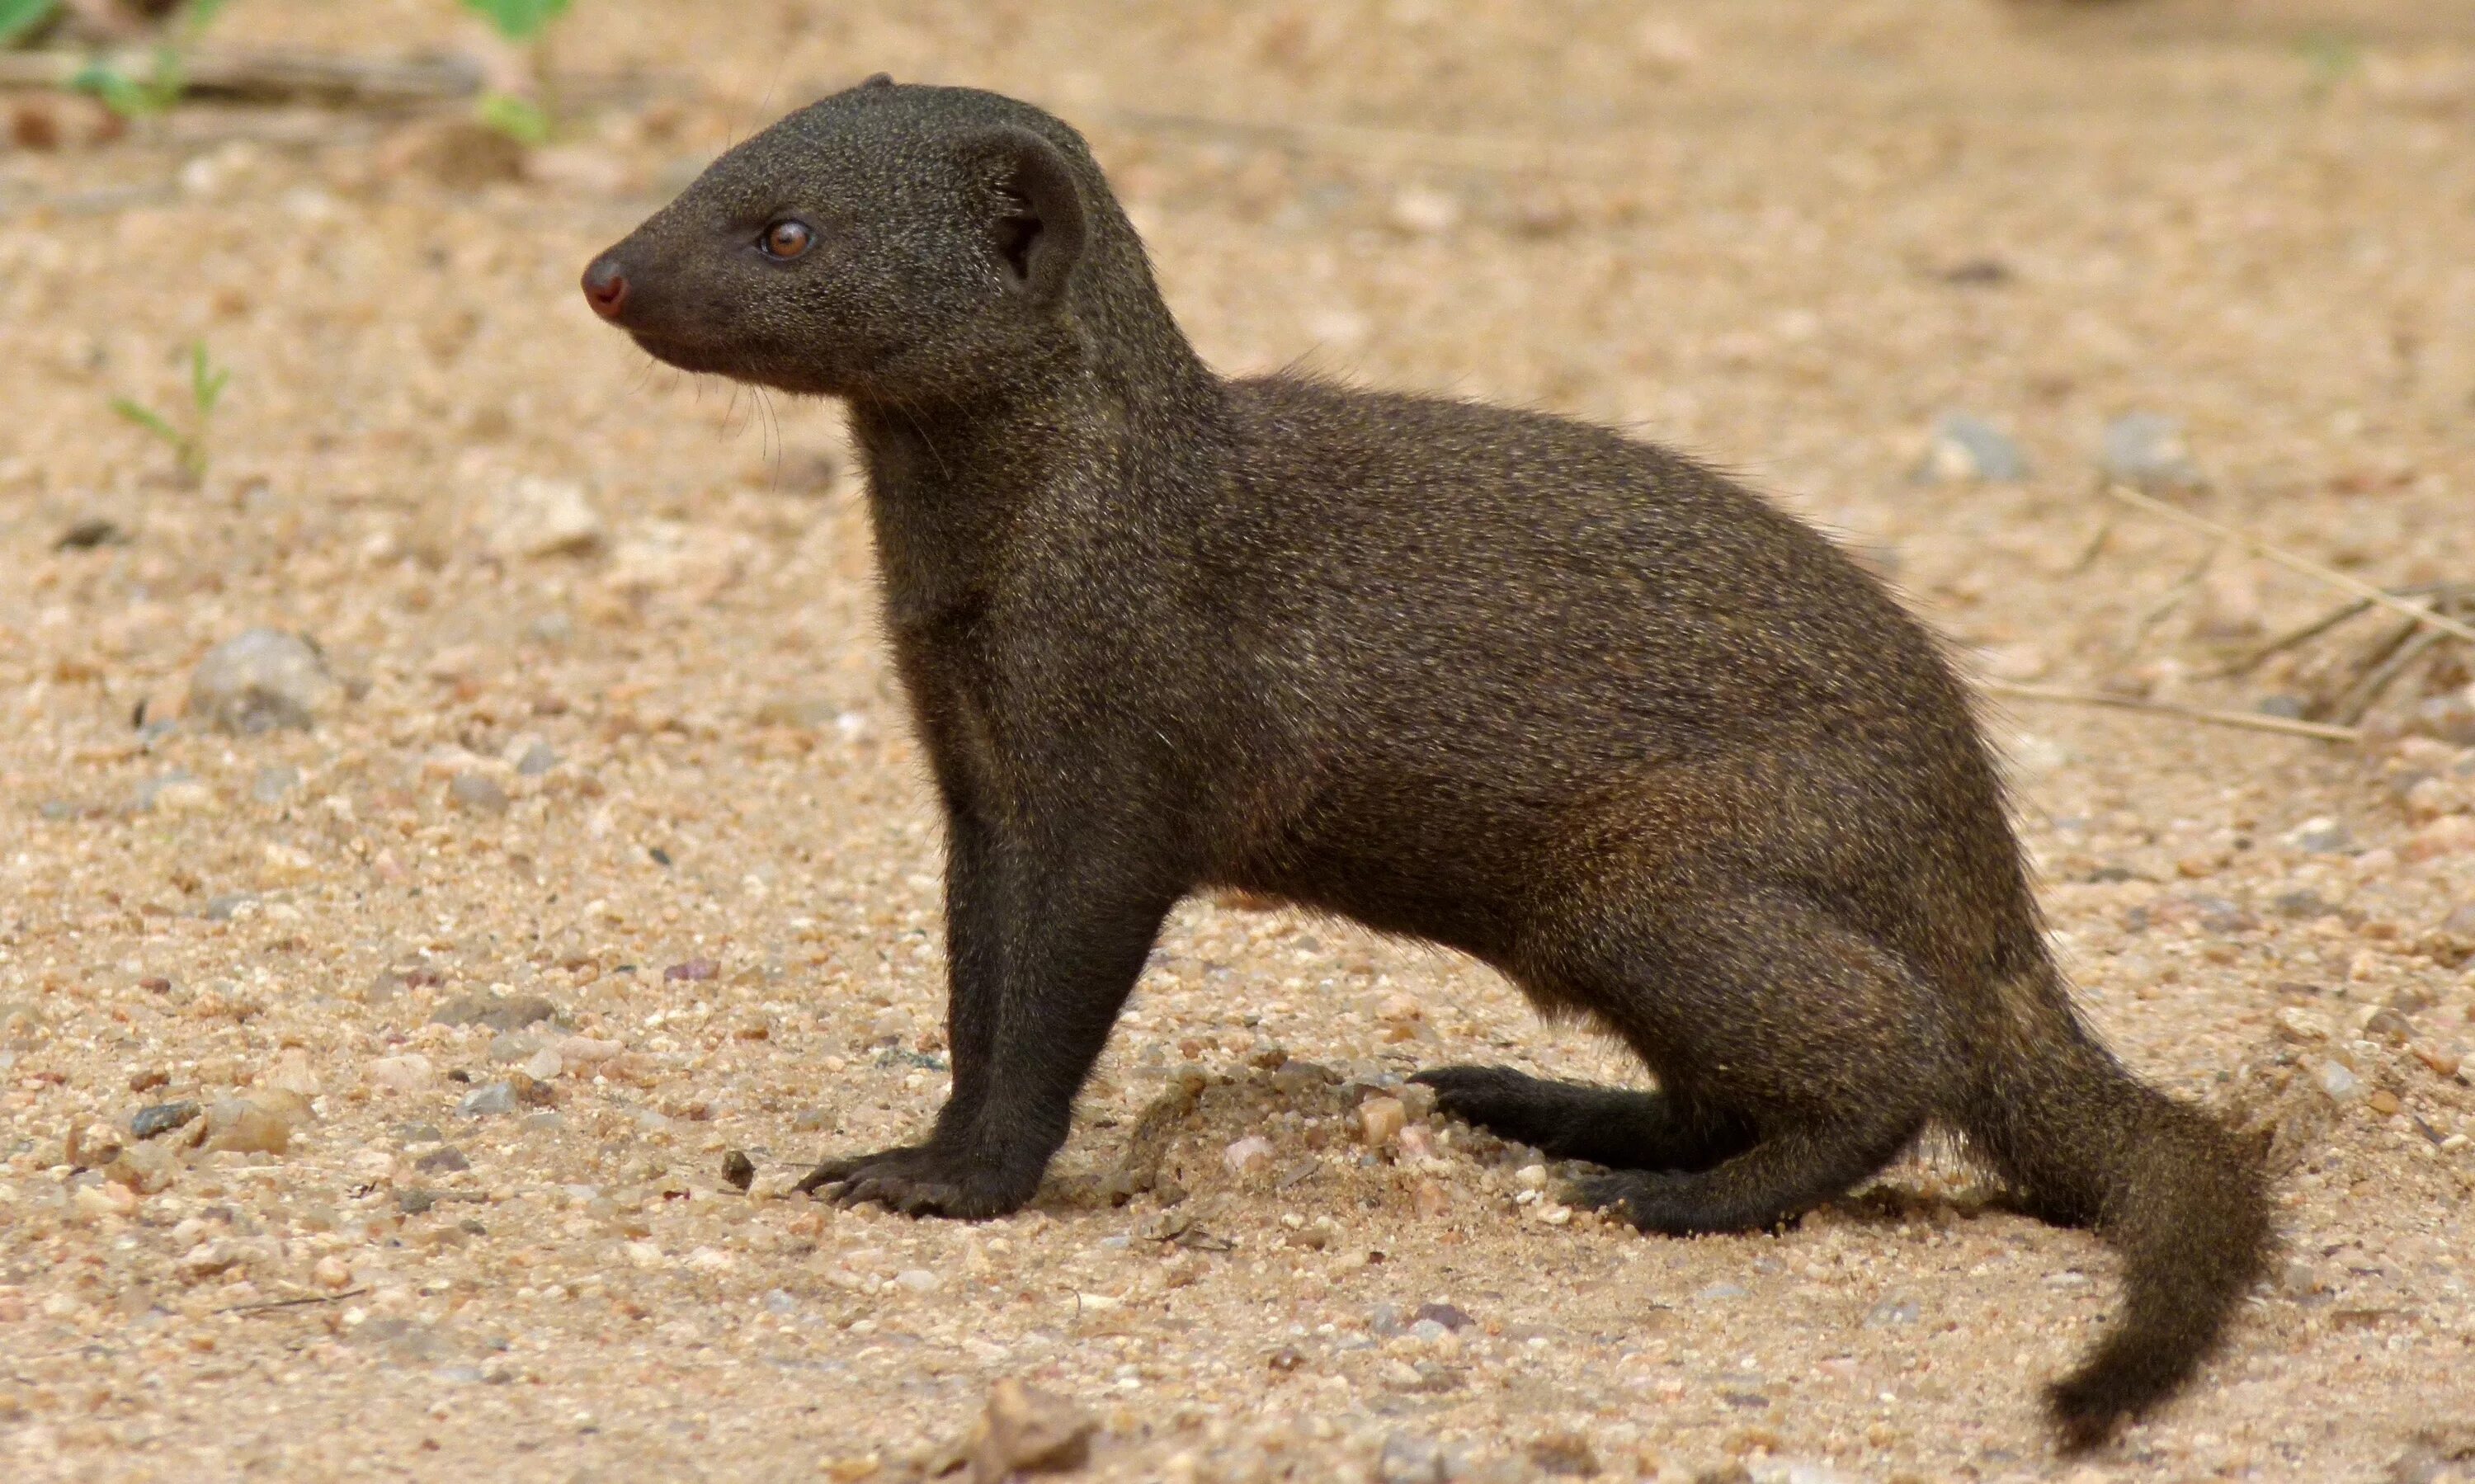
<point x="889" y="243"/>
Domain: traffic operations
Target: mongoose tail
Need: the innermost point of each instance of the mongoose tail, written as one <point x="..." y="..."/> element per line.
<point x="2089" y="1144"/>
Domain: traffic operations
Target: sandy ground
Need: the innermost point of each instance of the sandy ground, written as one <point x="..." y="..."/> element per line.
<point x="611" y="733"/>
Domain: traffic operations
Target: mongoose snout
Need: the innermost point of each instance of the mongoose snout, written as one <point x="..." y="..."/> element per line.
<point x="605" y="288"/>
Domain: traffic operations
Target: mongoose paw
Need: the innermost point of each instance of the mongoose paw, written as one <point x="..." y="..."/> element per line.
<point x="1660" y="1202"/>
<point x="1495" y="1098"/>
<point x="1620" y="1194"/>
<point x="919" y="1179"/>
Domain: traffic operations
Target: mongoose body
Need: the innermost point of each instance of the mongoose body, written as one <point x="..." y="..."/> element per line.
<point x="1571" y="704"/>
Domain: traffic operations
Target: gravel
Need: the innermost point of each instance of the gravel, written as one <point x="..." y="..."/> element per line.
<point x="589" y="1298"/>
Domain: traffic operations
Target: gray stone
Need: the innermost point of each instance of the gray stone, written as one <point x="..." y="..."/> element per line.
<point x="1893" y="1311"/>
<point x="1444" y="1314"/>
<point x="445" y="1160"/>
<point x="488" y="1100"/>
<point x="538" y="759"/>
<point x="224" y="906"/>
<point x="1964" y="448"/>
<point x="1410" y="1459"/>
<point x="162" y="1118"/>
<point x="2322" y="836"/>
<point x="2337" y="1080"/>
<point x="2146" y="449"/>
<point x="259" y="680"/>
<point x="149" y="791"/>
<point x="507" y="1013"/>
<point x="477" y="791"/>
<point x="272" y="784"/>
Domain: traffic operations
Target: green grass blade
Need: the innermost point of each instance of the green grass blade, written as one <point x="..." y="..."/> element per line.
<point x="150" y="419"/>
<point x="519" y="20"/>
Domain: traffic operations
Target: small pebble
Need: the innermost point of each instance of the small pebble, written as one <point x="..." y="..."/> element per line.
<point x="696" y="971"/>
<point x="1409" y="1459"/>
<point x="1247" y="1155"/>
<point x="510" y="1013"/>
<point x="1026" y="1430"/>
<point x="408" y="1073"/>
<point x="2147" y="450"/>
<point x="248" y="1126"/>
<point x="512" y="1046"/>
<point x="1566" y="1454"/>
<point x="488" y="1100"/>
<point x="1965" y="449"/>
<point x="89" y="533"/>
<point x="738" y="1171"/>
<point x="537" y="760"/>
<point x="261" y="680"/>
<point x="478" y="793"/>
<point x="535" y="518"/>
<point x="2320" y="835"/>
<point x="445" y="1160"/>
<point x="2337" y="1080"/>
<point x="1380" y="1121"/>
<point x="585" y="1050"/>
<point x="162" y="1118"/>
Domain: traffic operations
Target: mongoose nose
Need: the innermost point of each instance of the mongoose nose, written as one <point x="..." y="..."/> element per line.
<point x="606" y="288"/>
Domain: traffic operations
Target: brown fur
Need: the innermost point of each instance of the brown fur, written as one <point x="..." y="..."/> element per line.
<point x="1574" y="705"/>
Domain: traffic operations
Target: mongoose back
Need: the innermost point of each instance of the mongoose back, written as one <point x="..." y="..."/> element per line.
<point x="1572" y="704"/>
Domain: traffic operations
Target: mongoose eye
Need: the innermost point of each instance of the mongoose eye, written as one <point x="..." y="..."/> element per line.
<point x="787" y="239"/>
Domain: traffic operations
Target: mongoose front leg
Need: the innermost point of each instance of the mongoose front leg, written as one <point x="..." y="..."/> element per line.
<point x="1044" y="948"/>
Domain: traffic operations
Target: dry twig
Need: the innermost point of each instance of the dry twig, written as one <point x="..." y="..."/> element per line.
<point x="2255" y="721"/>
<point x="304" y="1301"/>
<point x="2309" y="568"/>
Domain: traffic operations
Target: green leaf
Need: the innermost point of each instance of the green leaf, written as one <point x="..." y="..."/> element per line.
<point x="520" y="120"/>
<point x="519" y="20"/>
<point x="149" y="420"/>
<point x="19" y="16"/>
<point x="206" y="383"/>
<point x="122" y="94"/>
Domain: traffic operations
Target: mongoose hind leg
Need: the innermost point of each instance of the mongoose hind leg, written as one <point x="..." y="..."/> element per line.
<point x="1813" y="1050"/>
<point x="1616" y="1127"/>
<point x="1780" y="1177"/>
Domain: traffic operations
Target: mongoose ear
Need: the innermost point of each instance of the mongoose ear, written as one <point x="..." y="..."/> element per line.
<point x="1037" y="227"/>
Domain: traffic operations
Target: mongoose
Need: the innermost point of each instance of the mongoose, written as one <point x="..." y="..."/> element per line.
<point x="1572" y="704"/>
